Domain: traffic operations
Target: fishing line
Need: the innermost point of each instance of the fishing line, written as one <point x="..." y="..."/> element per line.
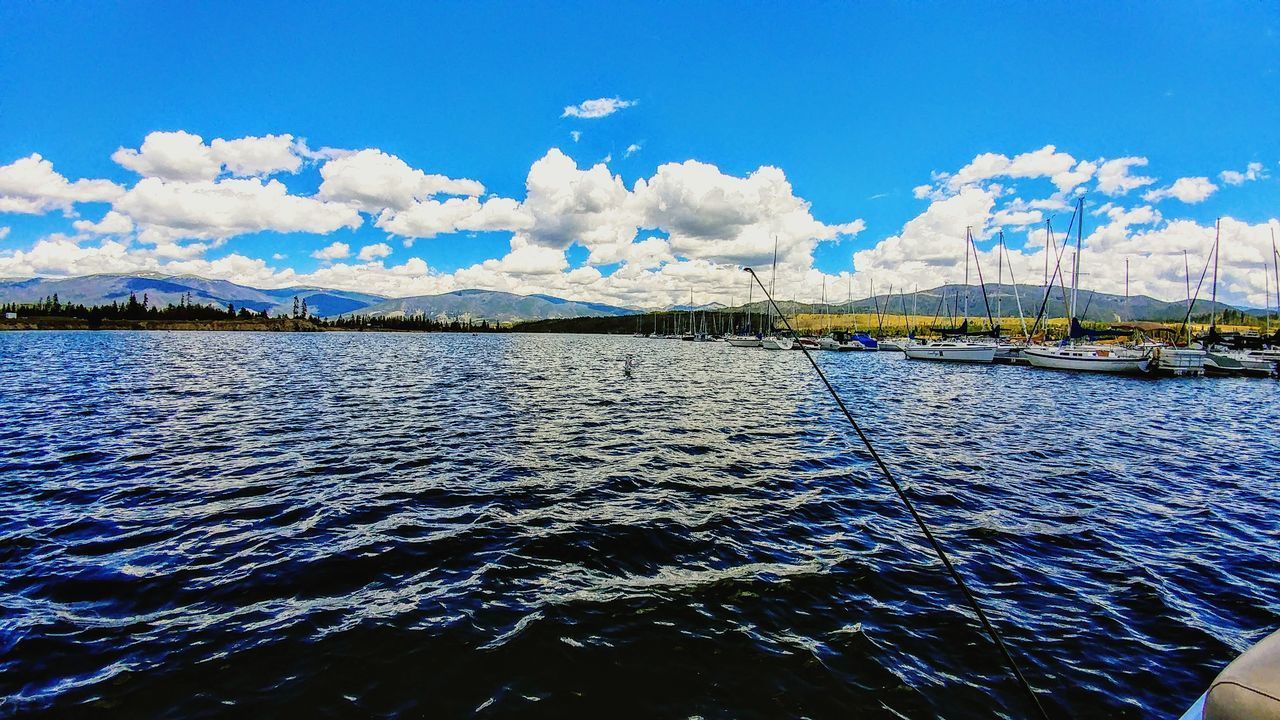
<point x="902" y="495"/>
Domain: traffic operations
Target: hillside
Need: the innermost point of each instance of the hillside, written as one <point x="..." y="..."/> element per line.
<point x="491" y="305"/>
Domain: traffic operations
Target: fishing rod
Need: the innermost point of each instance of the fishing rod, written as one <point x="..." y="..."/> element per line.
<point x="924" y="527"/>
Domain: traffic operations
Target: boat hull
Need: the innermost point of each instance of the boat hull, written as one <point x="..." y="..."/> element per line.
<point x="776" y="343"/>
<point x="743" y="342"/>
<point x="952" y="353"/>
<point x="1179" y="362"/>
<point x="1051" y="359"/>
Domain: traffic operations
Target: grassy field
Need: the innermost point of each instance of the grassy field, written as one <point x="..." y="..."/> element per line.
<point x="896" y="325"/>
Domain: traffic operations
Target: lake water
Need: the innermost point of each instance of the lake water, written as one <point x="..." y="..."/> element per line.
<point x="202" y="524"/>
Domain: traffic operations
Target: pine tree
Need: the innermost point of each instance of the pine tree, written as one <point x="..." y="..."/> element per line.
<point x="295" y="307"/>
<point x="304" y="308"/>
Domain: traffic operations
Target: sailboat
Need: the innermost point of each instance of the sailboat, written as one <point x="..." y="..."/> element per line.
<point x="1227" y="356"/>
<point x="954" y="350"/>
<point x="1088" y="357"/>
<point x="750" y="339"/>
<point x="771" y="340"/>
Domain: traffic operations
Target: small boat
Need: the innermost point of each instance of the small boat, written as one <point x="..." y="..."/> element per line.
<point x="951" y="351"/>
<point x="1237" y="362"/>
<point x="1249" y="687"/>
<point x="807" y="343"/>
<point x="1178" y="361"/>
<point x="892" y="344"/>
<point x="1089" y="358"/>
<point x="776" y="342"/>
<point x="743" y="341"/>
<point x="866" y="341"/>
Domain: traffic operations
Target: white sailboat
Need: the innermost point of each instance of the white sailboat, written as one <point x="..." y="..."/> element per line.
<point x="950" y="350"/>
<point x="954" y="350"/>
<point x="1086" y="357"/>
<point x="1089" y="358"/>
<point x="771" y="340"/>
<point x="749" y="340"/>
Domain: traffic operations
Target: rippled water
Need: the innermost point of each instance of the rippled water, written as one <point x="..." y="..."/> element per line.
<point x="196" y="524"/>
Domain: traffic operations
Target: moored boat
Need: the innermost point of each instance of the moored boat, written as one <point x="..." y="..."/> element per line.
<point x="1178" y="361"/>
<point x="1088" y="358"/>
<point x="951" y="351"/>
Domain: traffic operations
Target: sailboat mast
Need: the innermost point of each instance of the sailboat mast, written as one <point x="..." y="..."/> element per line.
<point x="967" y="241"/>
<point x="1217" y="237"/>
<point x="1000" y="279"/>
<point x="1075" y="273"/>
<point x="1126" y="286"/>
<point x="1275" y="266"/>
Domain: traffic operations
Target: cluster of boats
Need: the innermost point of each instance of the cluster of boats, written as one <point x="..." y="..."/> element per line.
<point x="1231" y="356"/>
<point x="1120" y="349"/>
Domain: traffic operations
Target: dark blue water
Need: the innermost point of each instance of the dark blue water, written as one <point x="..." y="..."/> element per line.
<point x="211" y="524"/>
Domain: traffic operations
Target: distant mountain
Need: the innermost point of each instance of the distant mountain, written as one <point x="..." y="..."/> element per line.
<point x="950" y="300"/>
<point x="162" y="290"/>
<point x="507" y="307"/>
<point x="491" y="305"/>
<point x="711" y="306"/>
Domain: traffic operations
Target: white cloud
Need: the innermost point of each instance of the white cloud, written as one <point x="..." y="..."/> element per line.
<point x="183" y="156"/>
<point x="1189" y="190"/>
<point x="687" y="225"/>
<point x="333" y="251"/>
<point x="432" y="217"/>
<point x="229" y="207"/>
<point x="1254" y="171"/>
<point x="254" y="156"/>
<point x="576" y="135"/>
<point x="4" y="232"/>
<point x="1114" y="178"/>
<point x="176" y="155"/>
<point x="598" y="108"/>
<point x="373" y="180"/>
<point x="30" y="185"/>
<point x="113" y="223"/>
<point x="1062" y="169"/>
<point x="376" y="251"/>
<point x="632" y="149"/>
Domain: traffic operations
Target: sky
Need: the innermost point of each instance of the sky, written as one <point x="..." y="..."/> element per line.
<point x="634" y="154"/>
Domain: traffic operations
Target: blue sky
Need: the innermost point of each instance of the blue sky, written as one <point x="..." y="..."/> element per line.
<point x="856" y="103"/>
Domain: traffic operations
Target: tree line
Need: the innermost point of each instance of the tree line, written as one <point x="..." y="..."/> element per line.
<point x="187" y="309"/>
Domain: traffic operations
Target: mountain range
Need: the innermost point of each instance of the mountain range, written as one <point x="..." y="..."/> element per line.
<point x="508" y="307"/>
<point x="162" y="290"/>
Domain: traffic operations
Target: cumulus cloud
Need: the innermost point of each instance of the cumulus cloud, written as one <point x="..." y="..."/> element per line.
<point x="333" y="251"/>
<point x="1115" y="178"/>
<point x="30" y="185"/>
<point x="1254" y="171"/>
<point x="376" y="251"/>
<point x="632" y="149"/>
<point x="373" y="180"/>
<point x="598" y="108"/>
<point x="209" y="209"/>
<point x="113" y="223"/>
<point x="1189" y="190"/>
<point x="183" y="156"/>
<point x="688" y="225"/>
<point x="432" y="217"/>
